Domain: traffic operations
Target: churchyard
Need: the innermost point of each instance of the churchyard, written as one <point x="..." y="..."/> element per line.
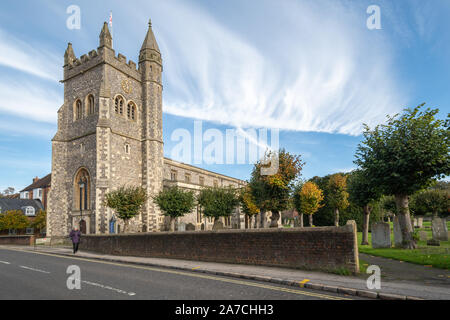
<point x="427" y="255"/>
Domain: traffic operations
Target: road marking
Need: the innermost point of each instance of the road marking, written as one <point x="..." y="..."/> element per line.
<point x="109" y="288"/>
<point x="4" y="262"/>
<point x="203" y="276"/>
<point x="32" y="269"/>
<point x="302" y="283"/>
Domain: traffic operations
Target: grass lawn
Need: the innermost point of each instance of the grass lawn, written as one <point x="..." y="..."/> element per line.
<point x="438" y="257"/>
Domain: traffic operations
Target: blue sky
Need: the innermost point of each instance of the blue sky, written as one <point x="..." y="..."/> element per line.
<point x="310" y="68"/>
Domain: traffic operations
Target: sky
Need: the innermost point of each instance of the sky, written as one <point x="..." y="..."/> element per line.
<point x="310" y="70"/>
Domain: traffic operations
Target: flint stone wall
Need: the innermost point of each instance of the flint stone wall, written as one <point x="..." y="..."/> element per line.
<point x="324" y="248"/>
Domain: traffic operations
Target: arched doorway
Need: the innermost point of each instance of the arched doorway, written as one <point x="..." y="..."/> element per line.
<point x="112" y="225"/>
<point x="83" y="226"/>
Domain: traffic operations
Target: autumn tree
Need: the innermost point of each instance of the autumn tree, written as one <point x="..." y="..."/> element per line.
<point x="175" y="203"/>
<point x="337" y="195"/>
<point x="363" y="194"/>
<point x="126" y="202"/>
<point x="308" y="200"/>
<point x="218" y="202"/>
<point x="14" y="220"/>
<point x="248" y="204"/>
<point x="40" y="221"/>
<point x="272" y="182"/>
<point x="404" y="156"/>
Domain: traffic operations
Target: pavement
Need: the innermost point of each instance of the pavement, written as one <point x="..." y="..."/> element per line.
<point x="44" y="274"/>
<point x="392" y="287"/>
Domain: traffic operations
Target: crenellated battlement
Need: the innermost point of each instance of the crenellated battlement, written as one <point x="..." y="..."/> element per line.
<point x="74" y="66"/>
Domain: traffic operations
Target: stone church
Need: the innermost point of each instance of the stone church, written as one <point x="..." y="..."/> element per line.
<point x="110" y="134"/>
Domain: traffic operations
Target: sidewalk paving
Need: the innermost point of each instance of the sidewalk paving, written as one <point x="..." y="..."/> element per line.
<point x="354" y="285"/>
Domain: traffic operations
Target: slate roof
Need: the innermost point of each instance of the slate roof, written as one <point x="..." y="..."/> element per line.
<point x="41" y="183"/>
<point x="19" y="204"/>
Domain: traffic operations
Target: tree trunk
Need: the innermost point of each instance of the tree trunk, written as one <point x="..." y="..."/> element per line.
<point x="262" y="223"/>
<point x="172" y="224"/>
<point x="336" y="217"/>
<point x="274" y="219"/>
<point x="301" y="220"/>
<point x="255" y="222"/>
<point x="125" y="225"/>
<point x="365" y="234"/>
<point x="404" y="219"/>
<point x="310" y="220"/>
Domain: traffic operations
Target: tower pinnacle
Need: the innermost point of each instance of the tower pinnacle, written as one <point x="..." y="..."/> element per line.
<point x="105" y="37"/>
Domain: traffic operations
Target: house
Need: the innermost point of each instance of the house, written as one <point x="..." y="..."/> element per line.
<point x="38" y="190"/>
<point x="30" y="209"/>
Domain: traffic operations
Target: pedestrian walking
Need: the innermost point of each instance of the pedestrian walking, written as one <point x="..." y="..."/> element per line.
<point x="75" y="236"/>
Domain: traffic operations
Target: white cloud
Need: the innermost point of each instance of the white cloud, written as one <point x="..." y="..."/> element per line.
<point x="319" y="68"/>
<point x="28" y="100"/>
<point x="26" y="57"/>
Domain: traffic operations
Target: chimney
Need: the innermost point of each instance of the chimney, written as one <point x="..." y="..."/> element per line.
<point x="35" y="179"/>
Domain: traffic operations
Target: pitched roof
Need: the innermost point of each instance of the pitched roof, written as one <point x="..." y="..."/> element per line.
<point x="41" y="183"/>
<point x="18" y="204"/>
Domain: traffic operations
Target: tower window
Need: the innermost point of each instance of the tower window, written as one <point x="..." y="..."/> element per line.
<point x="91" y="104"/>
<point x="173" y="175"/>
<point x="78" y="110"/>
<point x="131" y="111"/>
<point x="127" y="149"/>
<point x="187" y="178"/>
<point x="119" y="105"/>
<point x="202" y="181"/>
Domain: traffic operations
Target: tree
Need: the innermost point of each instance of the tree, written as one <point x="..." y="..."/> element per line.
<point x="14" y="220"/>
<point x="127" y="202"/>
<point x="431" y="201"/>
<point x="338" y="196"/>
<point x="7" y="192"/>
<point x="308" y="200"/>
<point x="218" y="201"/>
<point x="272" y="192"/>
<point x="247" y="202"/>
<point x="40" y="221"/>
<point x="175" y="203"/>
<point x="363" y="194"/>
<point x="405" y="156"/>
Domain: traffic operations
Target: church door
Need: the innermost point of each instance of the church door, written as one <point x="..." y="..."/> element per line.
<point x="83" y="227"/>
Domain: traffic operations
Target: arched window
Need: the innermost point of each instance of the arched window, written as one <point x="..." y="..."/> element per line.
<point x="131" y="111"/>
<point x="78" y="110"/>
<point x="119" y="105"/>
<point x="91" y="104"/>
<point x="82" y="190"/>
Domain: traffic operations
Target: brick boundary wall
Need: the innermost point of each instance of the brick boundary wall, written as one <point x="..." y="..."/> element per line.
<point x="17" y="240"/>
<point x="321" y="248"/>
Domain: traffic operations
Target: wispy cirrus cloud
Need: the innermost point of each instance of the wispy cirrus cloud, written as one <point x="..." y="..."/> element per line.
<point x="26" y="57"/>
<point x="317" y="69"/>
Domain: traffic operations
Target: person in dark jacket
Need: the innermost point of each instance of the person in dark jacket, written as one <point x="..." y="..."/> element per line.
<point x="75" y="236"/>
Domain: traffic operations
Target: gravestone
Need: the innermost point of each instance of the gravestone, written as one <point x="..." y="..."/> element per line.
<point x="182" y="226"/>
<point x="218" y="225"/>
<point x="398" y="239"/>
<point x="433" y="242"/>
<point x="420" y="223"/>
<point x="381" y="235"/>
<point x="439" y="228"/>
<point x="423" y="235"/>
<point x="190" y="227"/>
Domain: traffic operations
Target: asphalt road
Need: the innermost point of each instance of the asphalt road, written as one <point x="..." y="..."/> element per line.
<point x="30" y="275"/>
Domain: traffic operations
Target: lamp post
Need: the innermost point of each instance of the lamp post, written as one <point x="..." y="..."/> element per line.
<point x="82" y="186"/>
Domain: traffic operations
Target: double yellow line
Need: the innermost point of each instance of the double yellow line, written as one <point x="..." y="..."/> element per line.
<point x="195" y="275"/>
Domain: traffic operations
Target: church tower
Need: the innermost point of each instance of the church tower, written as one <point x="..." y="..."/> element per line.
<point x="150" y="67"/>
<point x="109" y="135"/>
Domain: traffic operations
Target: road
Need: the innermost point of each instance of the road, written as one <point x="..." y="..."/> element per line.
<point x="41" y="276"/>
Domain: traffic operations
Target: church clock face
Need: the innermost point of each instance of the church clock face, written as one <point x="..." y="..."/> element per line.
<point x="126" y="86"/>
